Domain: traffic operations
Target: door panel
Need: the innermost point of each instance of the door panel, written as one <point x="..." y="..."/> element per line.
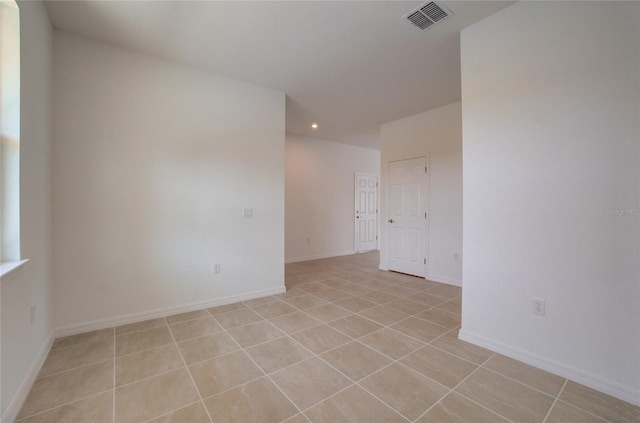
<point x="407" y="219"/>
<point x="366" y="212"/>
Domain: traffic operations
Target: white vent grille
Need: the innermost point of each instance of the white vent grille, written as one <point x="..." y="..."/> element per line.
<point x="427" y="15"/>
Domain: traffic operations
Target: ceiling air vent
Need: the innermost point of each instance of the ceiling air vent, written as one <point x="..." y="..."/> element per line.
<point x="428" y="14"/>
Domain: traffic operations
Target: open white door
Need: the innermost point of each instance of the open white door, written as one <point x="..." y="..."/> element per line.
<point x="366" y="212"/>
<point x="407" y="221"/>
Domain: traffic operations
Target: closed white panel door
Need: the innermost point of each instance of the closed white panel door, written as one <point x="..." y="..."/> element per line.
<point x="407" y="216"/>
<point x="366" y="212"/>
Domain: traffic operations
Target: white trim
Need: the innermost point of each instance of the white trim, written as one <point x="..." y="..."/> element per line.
<point x="444" y="279"/>
<point x="27" y="383"/>
<point x="584" y="377"/>
<point x="9" y="269"/>
<point x="153" y="314"/>
<point x="320" y="256"/>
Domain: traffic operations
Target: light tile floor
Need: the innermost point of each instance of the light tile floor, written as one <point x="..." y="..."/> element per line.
<point x="345" y="343"/>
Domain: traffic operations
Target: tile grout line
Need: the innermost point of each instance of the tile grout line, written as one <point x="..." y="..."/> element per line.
<point x="190" y="375"/>
<point x="555" y="400"/>
<point x="64" y="404"/>
<point x="261" y="369"/>
<point x="453" y="390"/>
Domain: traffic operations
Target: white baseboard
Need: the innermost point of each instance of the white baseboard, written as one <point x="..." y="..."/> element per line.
<point x="444" y="279"/>
<point x="319" y="256"/>
<point x="581" y="376"/>
<point x="163" y="312"/>
<point x="18" y="400"/>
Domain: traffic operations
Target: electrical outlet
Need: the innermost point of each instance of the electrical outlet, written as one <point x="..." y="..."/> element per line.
<point x="538" y="306"/>
<point x="216" y="269"/>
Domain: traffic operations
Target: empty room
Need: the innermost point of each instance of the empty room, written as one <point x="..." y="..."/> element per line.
<point x="320" y="211"/>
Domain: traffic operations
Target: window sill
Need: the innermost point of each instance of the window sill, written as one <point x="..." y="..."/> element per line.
<point x="9" y="269"/>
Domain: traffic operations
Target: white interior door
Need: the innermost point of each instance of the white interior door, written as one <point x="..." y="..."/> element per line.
<point x="366" y="212"/>
<point x="407" y="221"/>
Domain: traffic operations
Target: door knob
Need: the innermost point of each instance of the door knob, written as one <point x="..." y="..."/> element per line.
<point x="391" y="220"/>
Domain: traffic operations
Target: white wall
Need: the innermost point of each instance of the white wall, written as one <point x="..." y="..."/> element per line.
<point x="24" y="344"/>
<point x="436" y="134"/>
<point x="153" y="165"/>
<point x="320" y="196"/>
<point x="551" y="106"/>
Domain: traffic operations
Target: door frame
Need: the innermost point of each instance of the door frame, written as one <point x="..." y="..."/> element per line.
<point x="424" y="208"/>
<point x="355" y="207"/>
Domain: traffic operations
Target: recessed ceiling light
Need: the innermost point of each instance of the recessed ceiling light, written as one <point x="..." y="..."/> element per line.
<point x="314" y="126"/>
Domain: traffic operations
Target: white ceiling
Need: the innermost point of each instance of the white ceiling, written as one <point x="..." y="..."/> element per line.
<point x="347" y="65"/>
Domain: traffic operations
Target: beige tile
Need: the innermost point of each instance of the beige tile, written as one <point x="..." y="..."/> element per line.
<point x="305" y="301"/>
<point x="206" y="347"/>
<point x="237" y="318"/>
<point x="154" y="397"/>
<point x="399" y="291"/>
<point x="313" y="287"/>
<point x="194" y="328"/>
<point x="98" y="409"/>
<point x="274" y="309"/>
<point x="355" y="326"/>
<point x="602" y="405"/>
<point x="291" y="293"/>
<point x="407" y="306"/>
<point x="294" y="322"/>
<point x="327" y="312"/>
<point x="321" y="338"/>
<point x="355" y="360"/>
<point x="419" y="284"/>
<point x="455" y="409"/>
<point x="337" y="283"/>
<point x="355" y="304"/>
<point x="376" y="284"/>
<point x="453" y="306"/>
<point x="506" y="397"/>
<point x="355" y="289"/>
<point x="309" y="382"/>
<point x="96" y="335"/>
<point x="426" y="299"/>
<point x="224" y="372"/>
<point x="384" y="315"/>
<point x="144" y="340"/>
<point x="450" y="343"/>
<point x="529" y="375"/>
<point x="183" y="317"/>
<point x="225" y="308"/>
<point x="62" y="359"/>
<point x="378" y="297"/>
<point x="440" y="366"/>
<point x="257" y="401"/>
<point x="276" y="354"/>
<point x="440" y="318"/>
<point x="194" y="413"/>
<point x="298" y="418"/>
<point x="255" y="333"/>
<point x="260" y="301"/>
<point x="134" y="367"/>
<point x="447" y="291"/>
<point x="566" y="413"/>
<point x="63" y="388"/>
<point x="419" y="329"/>
<point x="406" y="391"/>
<point x="331" y="294"/>
<point x="391" y="343"/>
<point x="138" y="326"/>
<point x="353" y="405"/>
